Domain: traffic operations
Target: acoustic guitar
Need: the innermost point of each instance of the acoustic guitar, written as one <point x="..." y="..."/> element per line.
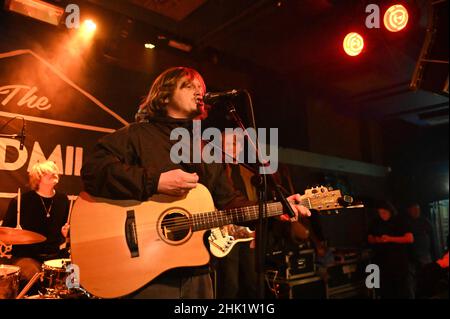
<point x="121" y="245"/>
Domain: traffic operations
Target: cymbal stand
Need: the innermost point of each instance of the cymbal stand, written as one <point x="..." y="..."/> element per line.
<point x="4" y="249"/>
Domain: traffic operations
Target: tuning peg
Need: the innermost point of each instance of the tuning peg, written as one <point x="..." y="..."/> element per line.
<point x="345" y="200"/>
<point x="356" y="204"/>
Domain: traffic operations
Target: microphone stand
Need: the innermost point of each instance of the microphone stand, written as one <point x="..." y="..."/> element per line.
<point x="260" y="182"/>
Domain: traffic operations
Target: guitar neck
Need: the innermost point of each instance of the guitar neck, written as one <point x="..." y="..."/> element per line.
<point x="239" y="215"/>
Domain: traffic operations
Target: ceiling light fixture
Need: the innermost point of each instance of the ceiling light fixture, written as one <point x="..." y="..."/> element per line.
<point x="36" y="9"/>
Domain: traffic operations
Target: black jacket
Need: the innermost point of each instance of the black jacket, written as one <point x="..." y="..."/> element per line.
<point x="127" y="164"/>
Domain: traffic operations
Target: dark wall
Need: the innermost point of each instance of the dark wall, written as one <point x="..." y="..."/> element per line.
<point x="419" y="160"/>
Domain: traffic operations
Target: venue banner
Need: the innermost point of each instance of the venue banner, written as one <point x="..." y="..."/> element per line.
<point x="45" y="116"/>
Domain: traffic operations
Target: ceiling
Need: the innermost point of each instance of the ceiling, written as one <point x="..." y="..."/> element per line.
<point x="301" y="40"/>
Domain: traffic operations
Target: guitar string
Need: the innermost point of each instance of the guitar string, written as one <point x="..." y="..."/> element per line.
<point x="233" y="210"/>
<point x="199" y="221"/>
<point x="189" y="222"/>
<point x="193" y="223"/>
<point x="183" y="226"/>
<point x="184" y="223"/>
<point x="222" y="214"/>
<point x="188" y="225"/>
<point x="216" y="214"/>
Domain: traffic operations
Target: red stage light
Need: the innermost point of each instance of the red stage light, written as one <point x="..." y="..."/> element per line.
<point x="353" y="44"/>
<point x="396" y="18"/>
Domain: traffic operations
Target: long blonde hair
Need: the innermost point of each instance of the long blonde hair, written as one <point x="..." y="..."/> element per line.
<point x="40" y="169"/>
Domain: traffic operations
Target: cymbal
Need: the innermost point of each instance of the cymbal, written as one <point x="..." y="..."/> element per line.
<point x="15" y="236"/>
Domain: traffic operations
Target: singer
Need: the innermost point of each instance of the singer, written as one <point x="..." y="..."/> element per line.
<point x="134" y="163"/>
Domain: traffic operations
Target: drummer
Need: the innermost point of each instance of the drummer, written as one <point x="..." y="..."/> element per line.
<point x="42" y="210"/>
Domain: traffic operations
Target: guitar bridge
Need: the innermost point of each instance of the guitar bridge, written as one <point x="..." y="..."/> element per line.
<point x="131" y="234"/>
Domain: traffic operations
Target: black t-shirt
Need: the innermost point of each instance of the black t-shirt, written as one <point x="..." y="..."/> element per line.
<point x="422" y="231"/>
<point x="33" y="217"/>
<point x="392" y="258"/>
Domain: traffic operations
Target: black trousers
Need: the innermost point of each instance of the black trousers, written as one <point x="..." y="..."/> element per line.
<point x="236" y="275"/>
<point x="177" y="286"/>
<point x="395" y="287"/>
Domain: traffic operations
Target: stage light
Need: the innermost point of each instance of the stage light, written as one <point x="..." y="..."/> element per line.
<point x="149" y="46"/>
<point x="86" y="31"/>
<point x="36" y="9"/>
<point x="89" y="26"/>
<point x="396" y="18"/>
<point x="353" y="44"/>
<point x="180" y="45"/>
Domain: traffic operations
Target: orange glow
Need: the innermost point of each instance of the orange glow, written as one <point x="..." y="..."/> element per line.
<point x="80" y="41"/>
<point x="353" y="44"/>
<point x="396" y="18"/>
<point x="88" y="28"/>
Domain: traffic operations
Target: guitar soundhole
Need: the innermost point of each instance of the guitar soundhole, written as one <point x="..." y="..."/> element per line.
<point x="175" y="226"/>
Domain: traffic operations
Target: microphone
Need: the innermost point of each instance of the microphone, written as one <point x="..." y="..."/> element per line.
<point x="214" y="97"/>
<point x="22" y="137"/>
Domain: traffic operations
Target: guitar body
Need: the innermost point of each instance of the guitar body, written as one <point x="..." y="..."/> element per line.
<point x="121" y="245"/>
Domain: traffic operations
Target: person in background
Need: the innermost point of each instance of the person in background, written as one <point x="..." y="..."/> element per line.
<point x="44" y="210"/>
<point x="420" y="250"/>
<point x="432" y="281"/>
<point x="390" y="239"/>
<point x="236" y="273"/>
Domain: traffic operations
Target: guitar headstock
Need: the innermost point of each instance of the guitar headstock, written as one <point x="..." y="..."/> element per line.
<point x="321" y="198"/>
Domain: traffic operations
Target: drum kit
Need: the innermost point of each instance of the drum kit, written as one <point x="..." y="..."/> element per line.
<point x="55" y="281"/>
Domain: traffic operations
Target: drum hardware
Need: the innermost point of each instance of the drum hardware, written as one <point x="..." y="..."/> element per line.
<point x="53" y="283"/>
<point x="54" y="276"/>
<point x="9" y="281"/>
<point x="60" y="280"/>
<point x="4" y="250"/>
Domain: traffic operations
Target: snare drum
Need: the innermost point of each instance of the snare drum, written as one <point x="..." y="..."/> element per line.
<point x="54" y="274"/>
<point x="9" y="281"/>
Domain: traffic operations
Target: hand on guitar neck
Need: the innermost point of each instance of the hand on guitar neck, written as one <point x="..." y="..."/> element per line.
<point x="223" y="239"/>
<point x="299" y="210"/>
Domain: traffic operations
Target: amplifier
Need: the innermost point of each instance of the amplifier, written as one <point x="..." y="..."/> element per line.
<point x="294" y="265"/>
<point x="345" y="273"/>
<point x="304" y="288"/>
